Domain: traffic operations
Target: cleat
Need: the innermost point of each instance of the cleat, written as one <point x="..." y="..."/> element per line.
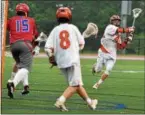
<point x="60" y="105"/>
<point x="26" y="90"/>
<point x="96" y="86"/>
<point x="10" y="87"/>
<point x="93" y="104"/>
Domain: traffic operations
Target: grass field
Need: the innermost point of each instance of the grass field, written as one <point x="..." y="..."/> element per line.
<point x="122" y="93"/>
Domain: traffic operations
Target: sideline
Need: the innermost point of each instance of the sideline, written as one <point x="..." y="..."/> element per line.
<point x="92" y="56"/>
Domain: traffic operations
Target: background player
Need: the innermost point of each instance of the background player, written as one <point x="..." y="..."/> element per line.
<point x="110" y="42"/>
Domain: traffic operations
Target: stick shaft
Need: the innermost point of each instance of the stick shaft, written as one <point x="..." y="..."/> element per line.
<point x="133" y="22"/>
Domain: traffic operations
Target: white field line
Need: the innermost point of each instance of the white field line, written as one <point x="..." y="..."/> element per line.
<point x="128" y="71"/>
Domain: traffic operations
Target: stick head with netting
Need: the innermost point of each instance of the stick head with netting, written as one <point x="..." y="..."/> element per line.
<point x="42" y="37"/>
<point x="92" y="29"/>
<point x="136" y="13"/>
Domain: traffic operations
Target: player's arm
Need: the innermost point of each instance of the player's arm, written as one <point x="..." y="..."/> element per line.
<point x="123" y="45"/>
<point x="35" y="35"/>
<point x="80" y="37"/>
<point x="113" y="30"/>
<point x="35" y="44"/>
<point x="49" y="47"/>
<point x="125" y="30"/>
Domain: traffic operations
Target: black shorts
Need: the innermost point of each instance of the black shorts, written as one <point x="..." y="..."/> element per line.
<point x="22" y="54"/>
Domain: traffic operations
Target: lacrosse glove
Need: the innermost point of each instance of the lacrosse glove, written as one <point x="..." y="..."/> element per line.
<point x="130" y="37"/>
<point x="52" y="61"/>
<point x="36" y="50"/>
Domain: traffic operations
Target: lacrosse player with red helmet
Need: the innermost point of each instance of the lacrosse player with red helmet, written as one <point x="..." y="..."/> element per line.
<point x="110" y="42"/>
<point x="63" y="44"/>
<point x="22" y="31"/>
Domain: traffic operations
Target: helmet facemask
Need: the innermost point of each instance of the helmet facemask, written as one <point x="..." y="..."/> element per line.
<point x="116" y="22"/>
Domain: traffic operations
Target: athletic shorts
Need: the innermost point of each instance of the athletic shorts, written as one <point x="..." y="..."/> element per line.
<point x="22" y="54"/>
<point x="73" y="75"/>
<point x="104" y="59"/>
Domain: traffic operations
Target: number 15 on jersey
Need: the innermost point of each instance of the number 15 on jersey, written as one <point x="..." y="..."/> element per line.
<point x="22" y="25"/>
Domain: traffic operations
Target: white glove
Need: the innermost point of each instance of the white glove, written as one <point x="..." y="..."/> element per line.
<point x="129" y="38"/>
<point x="81" y="46"/>
<point x="131" y="29"/>
<point x="36" y="50"/>
<point x="49" y="52"/>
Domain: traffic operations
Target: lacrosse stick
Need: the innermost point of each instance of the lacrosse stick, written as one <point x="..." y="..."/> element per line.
<point x="92" y="29"/>
<point x="42" y="37"/>
<point x="136" y="13"/>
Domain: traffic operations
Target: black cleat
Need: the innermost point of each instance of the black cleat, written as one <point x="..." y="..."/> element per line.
<point x="26" y="90"/>
<point x="93" y="70"/>
<point x="10" y="87"/>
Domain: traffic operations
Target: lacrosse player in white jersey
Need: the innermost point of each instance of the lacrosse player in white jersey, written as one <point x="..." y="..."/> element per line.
<point x="64" y="43"/>
<point x="110" y="42"/>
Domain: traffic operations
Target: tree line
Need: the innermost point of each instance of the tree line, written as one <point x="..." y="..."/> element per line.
<point x="83" y="12"/>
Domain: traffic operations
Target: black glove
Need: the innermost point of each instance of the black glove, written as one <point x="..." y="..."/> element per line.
<point x="52" y="61"/>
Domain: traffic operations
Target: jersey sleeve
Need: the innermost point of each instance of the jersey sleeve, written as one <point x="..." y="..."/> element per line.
<point x="111" y="30"/>
<point x="49" y="42"/>
<point x="81" y="40"/>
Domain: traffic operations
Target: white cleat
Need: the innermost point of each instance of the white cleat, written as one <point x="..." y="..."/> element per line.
<point x="60" y="105"/>
<point x="95" y="86"/>
<point x="93" y="104"/>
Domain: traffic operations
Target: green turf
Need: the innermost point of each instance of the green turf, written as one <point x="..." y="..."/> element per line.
<point x="125" y="86"/>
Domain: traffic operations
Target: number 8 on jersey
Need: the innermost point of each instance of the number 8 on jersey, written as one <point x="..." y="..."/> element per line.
<point x="64" y="39"/>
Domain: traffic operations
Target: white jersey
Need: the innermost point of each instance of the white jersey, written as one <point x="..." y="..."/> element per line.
<point x="108" y="40"/>
<point x="65" y="40"/>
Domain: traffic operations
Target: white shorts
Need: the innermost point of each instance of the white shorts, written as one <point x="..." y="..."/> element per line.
<point x="73" y="75"/>
<point x="104" y="59"/>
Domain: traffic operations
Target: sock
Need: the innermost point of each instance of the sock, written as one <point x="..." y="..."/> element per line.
<point x="88" y="100"/>
<point x="62" y="99"/>
<point x="20" y="75"/>
<point x="100" y="81"/>
<point x="12" y="77"/>
<point x="25" y="80"/>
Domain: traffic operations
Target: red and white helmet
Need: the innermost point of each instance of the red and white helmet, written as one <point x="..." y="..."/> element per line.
<point x="63" y="12"/>
<point x="114" y="17"/>
<point x="22" y="7"/>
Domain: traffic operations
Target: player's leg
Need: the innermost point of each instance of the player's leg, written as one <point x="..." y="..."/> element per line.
<point x="10" y="84"/>
<point x="14" y="71"/>
<point x="25" y="61"/>
<point x="75" y="85"/>
<point x="77" y="78"/>
<point x="69" y="91"/>
<point x="92" y="103"/>
<point x="27" y="58"/>
<point x="109" y="65"/>
<point x="98" y="67"/>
